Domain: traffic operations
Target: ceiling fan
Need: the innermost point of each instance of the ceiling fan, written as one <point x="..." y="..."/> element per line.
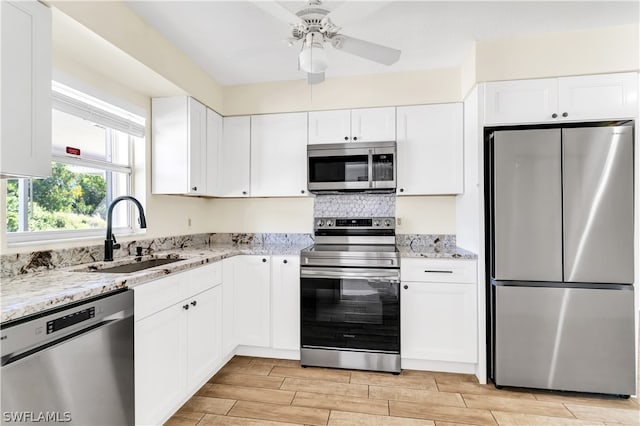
<point x="313" y="26"/>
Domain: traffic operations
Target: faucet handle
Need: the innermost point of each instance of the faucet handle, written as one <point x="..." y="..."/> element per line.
<point x="115" y="243"/>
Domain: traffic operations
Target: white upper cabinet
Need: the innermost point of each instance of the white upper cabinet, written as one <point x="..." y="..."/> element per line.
<point x="357" y="125"/>
<point x="214" y="140"/>
<point x="234" y="165"/>
<point x="521" y="101"/>
<point x="430" y="149"/>
<point x="329" y="126"/>
<point x="596" y="97"/>
<point x="25" y="57"/>
<point x="179" y="146"/>
<point x="278" y="155"/>
<point x="373" y="124"/>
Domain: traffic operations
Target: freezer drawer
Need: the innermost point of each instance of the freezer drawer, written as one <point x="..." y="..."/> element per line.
<point x="572" y="339"/>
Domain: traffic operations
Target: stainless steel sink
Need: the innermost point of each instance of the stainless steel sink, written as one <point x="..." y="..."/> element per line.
<point x="129" y="267"/>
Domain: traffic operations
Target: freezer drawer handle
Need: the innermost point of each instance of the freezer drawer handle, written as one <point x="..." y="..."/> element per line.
<point x="438" y="272"/>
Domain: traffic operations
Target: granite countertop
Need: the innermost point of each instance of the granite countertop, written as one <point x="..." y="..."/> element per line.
<point x="430" y="252"/>
<point x="36" y="292"/>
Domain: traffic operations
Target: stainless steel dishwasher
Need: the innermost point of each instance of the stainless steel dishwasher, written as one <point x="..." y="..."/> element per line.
<point x="71" y="365"/>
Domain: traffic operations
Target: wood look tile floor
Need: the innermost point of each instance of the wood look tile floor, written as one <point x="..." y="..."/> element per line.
<point x="266" y="391"/>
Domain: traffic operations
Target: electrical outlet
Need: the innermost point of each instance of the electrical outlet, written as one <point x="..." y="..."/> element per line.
<point x="189" y="222"/>
<point x="398" y="221"/>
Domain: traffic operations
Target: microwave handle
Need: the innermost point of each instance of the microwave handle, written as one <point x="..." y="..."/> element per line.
<point x="370" y="168"/>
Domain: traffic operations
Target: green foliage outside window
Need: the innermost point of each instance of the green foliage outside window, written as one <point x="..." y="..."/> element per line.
<point x="66" y="200"/>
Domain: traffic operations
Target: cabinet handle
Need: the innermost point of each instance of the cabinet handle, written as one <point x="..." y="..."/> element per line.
<point x="194" y="303"/>
<point x="406" y="287"/>
<point x="401" y="189"/>
<point x="195" y="188"/>
<point x="285" y="261"/>
<point x="244" y="192"/>
<point x="554" y="115"/>
<point x="185" y="307"/>
<point x="302" y="191"/>
<point x="565" y="114"/>
<point x="355" y="138"/>
<point x="264" y="260"/>
<point x="438" y="272"/>
<point x="346" y="138"/>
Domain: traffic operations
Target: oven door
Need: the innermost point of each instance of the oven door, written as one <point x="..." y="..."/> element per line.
<point x="350" y="309"/>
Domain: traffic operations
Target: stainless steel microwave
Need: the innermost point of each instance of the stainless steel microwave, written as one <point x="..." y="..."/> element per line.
<point x="352" y="167"/>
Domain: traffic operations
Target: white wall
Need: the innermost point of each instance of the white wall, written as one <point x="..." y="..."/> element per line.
<point x="592" y="51"/>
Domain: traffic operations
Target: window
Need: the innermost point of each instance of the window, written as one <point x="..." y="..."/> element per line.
<point x="91" y="165"/>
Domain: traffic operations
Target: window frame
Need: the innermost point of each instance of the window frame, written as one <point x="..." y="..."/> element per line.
<point x="27" y="238"/>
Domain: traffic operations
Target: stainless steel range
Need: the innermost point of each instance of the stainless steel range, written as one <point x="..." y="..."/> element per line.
<point x="350" y="295"/>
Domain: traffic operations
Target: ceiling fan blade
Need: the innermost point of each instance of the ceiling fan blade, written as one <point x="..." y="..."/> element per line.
<point x="353" y="11"/>
<point x="278" y="11"/>
<point x="366" y="49"/>
<point x="315" y="78"/>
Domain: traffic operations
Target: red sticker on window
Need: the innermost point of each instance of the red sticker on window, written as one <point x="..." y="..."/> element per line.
<point x="74" y="151"/>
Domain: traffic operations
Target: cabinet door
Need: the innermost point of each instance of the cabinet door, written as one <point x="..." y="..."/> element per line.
<point x="278" y="155"/>
<point x="522" y="101"/>
<point x="235" y="154"/>
<point x="25" y="57"/>
<point x="204" y="335"/>
<point x="251" y="317"/>
<point x="285" y="296"/>
<point x="214" y="139"/>
<point x="160" y="357"/>
<point x="373" y="124"/>
<point x="229" y="340"/>
<point x="430" y="143"/>
<point x="597" y="97"/>
<point x="329" y="126"/>
<point x="438" y="321"/>
<point x="197" y="146"/>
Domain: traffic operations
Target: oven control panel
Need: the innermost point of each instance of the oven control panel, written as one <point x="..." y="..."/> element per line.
<point x="355" y="223"/>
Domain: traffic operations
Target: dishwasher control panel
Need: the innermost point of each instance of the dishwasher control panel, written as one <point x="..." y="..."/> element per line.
<point x="70" y="319"/>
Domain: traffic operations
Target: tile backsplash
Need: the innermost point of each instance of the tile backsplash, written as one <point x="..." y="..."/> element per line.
<point x="355" y="205"/>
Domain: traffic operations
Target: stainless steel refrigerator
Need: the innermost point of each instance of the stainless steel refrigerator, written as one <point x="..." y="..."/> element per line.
<point x="561" y="258"/>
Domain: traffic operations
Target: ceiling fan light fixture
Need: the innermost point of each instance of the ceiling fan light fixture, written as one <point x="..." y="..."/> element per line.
<point x="313" y="57"/>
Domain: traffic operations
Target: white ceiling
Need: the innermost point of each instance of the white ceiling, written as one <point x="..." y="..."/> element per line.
<point x="236" y="42"/>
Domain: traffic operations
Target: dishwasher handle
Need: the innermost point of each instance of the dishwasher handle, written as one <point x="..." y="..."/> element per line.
<point x="18" y="355"/>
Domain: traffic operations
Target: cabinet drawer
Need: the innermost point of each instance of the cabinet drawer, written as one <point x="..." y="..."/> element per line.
<point x="438" y="270"/>
<point x="156" y="295"/>
<point x="199" y="279"/>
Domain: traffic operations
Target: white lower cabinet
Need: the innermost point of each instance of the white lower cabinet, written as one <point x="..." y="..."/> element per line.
<point x="438" y="313"/>
<point x="177" y="339"/>
<point x="285" y="302"/>
<point x="251" y="317"/>
<point x="204" y="335"/>
<point x="159" y="354"/>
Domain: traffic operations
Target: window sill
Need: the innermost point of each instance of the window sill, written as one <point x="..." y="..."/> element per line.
<point x="46" y="240"/>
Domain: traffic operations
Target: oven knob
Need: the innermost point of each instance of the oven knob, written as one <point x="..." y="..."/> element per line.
<point x="376" y="223"/>
<point x="320" y="223"/>
<point x="329" y="222"/>
<point x="387" y="222"/>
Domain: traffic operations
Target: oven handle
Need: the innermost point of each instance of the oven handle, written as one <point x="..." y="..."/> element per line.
<point x="370" y="274"/>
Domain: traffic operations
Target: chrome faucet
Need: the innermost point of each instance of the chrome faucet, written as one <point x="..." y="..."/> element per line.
<point x="110" y="242"/>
